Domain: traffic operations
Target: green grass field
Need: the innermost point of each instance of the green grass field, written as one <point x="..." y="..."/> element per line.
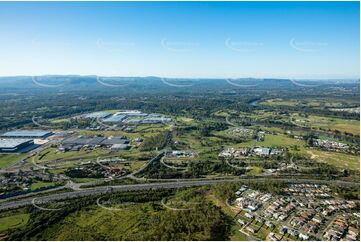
<point x="51" y="154"/>
<point x="184" y="120"/>
<point x="262" y="115"/>
<point x="342" y="125"/>
<point x="40" y="184"/>
<point x="75" y="158"/>
<point x="280" y="102"/>
<point x="254" y="171"/>
<point x="134" y="165"/>
<point x="206" y="148"/>
<point x="14" y="221"/>
<point x="7" y="160"/>
<point x="81" y="180"/>
<point x="143" y="130"/>
<point x="340" y="160"/>
<point x="311" y="103"/>
<point x="108" y="133"/>
<point x="272" y="140"/>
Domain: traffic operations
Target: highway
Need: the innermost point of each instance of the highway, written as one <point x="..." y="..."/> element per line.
<point x="26" y="200"/>
<point x="160" y="185"/>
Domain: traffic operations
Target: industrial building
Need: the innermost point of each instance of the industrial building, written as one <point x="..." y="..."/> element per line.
<point x="118" y="147"/>
<point x="133" y="117"/>
<point x="27" y="134"/>
<point x="115" y="140"/>
<point x="10" y="145"/>
<point x="133" y="121"/>
<point x="116" y="118"/>
<point x="156" y="120"/>
<point x="97" y="115"/>
<point x="96" y="140"/>
<point x="132" y="113"/>
<point x="83" y="141"/>
<point x="262" y="151"/>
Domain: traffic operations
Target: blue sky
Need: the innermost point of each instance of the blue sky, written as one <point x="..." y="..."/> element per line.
<point x="181" y="39"/>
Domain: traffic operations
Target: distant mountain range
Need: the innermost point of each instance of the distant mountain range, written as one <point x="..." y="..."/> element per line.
<point x="74" y="82"/>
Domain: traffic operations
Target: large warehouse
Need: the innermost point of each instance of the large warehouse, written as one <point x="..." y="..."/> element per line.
<point x="102" y="141"/>
<point x="97" y="115"/>
<point x="28" y="134"/>
<point x="15" y="145"/>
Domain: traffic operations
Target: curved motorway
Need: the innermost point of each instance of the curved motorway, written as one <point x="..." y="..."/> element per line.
<point x="164" y="185"/>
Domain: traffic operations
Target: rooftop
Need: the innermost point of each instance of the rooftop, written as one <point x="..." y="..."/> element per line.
<point x="97" y="115"/>
<point x="131" y="113"/>
<point x="26" y="133"/>
<point x="120" y="146"/>
<point x="12" y="143"/>
<point x="115" y="118"/>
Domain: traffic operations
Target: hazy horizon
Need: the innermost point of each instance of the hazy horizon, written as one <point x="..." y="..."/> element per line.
<point x="197" y="78"/>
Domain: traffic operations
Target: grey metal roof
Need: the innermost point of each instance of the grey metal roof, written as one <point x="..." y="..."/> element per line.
<point x="265" y="151"/>
<point x="12" y="143"/>
<point x="96" y="140"/>
<point x="97" y="115"/>
<point x="132" y="113"/>
<point x="84" y="140"/>
<point x="26" y="133"/>
<point x="115" y="118"/>
<point x="120" y="146"/>
<point x="115" y="140"/>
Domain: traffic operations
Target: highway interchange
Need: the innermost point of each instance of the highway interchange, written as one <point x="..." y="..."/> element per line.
<point x="146" y="184"/>
<point x="93" y="191"/>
